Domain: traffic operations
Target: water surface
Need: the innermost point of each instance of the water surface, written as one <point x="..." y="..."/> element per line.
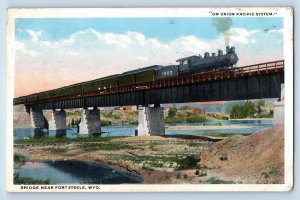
<point x="76" y="172"/>
<point x="253" y="126"/>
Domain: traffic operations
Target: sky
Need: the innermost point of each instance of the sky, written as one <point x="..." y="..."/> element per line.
<point x="52" y="53"/>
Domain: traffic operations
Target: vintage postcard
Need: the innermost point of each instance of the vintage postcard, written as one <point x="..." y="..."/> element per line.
<point x="150" y="99"/>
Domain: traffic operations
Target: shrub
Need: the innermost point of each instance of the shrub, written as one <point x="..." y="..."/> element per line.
<point x="105" y="122"/>
<point x="28" y="180"/>
<point x="20" y="159"/>
<point x="195" y="118"/>
<point x="189" y="162"/>
<point x="215" y="180"/>
<point x="172" y="112"/>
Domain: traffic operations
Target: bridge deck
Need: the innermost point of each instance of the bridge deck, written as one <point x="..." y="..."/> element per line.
<point x="248" y="82"/>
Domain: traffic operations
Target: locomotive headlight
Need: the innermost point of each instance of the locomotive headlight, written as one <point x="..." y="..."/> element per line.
<point x="233" y="59"/>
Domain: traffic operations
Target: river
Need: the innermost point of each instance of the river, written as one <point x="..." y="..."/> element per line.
<point x="231" y="126"/>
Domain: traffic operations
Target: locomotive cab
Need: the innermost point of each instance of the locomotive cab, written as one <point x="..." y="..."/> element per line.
<point x="186" y="63"/>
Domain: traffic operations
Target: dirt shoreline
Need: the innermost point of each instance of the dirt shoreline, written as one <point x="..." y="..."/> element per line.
<point x="160" y="171"/>
<point x="253" y="159"/>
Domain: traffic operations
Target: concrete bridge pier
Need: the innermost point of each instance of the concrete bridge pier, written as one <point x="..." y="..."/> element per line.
<point x="37" y="118"/>
<point x="58" y="121"/>
<point x="151" y="121"/>
<point x="278" y="118"/>
<point x="90" y="121"/>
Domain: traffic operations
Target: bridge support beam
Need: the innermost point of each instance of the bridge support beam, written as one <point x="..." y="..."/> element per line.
<point x="37" y="119"/>
<point x="278" y="118"/>
<point x="58" y="121"/>
<point x="151" y="121"/>
<point x="90" y="122"/>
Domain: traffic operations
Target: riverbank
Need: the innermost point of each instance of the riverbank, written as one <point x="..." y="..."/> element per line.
<point x="156" y="159"/>
<point x="176" y="159"/>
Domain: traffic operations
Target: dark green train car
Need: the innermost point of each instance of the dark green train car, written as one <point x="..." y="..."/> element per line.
<point x="32" y="97"/>
<point x="148" y="74"/>
<point x="98" y="84"/>
<point x="19" y="100"/>
<point x="75" y="89"/>
<point x="88" y="87"/>
<point x="110" y="81"/>
<point x="46" y="95"/>
<point x="126" y="79"/>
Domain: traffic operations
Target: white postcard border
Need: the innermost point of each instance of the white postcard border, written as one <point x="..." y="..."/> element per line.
<point x="285" y="12"/>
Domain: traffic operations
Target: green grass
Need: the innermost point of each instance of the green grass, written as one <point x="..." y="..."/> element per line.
<point x="105" y="122"/>
<point x="20" y="159"/>
<point x="191" y="118"/>
<point x="29" y="181"/>
<point x="135" y="122"/>
<point x="270" y="174"/>
<point x="110" y="114"/>
<point x="265" y="115"/>
<point x="216" y="180"/>
<point x="106" y="147"/>
<point x="195" y="118"/>
<point x="64" y="140"/>
<point x="221" y="117"/>
<point x="179" y="162"/>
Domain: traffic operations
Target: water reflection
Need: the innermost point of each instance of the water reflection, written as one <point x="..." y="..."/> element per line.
<point x="30" y="132"/>
<point x="58" y="133"/>
<point x="72" y="171"/>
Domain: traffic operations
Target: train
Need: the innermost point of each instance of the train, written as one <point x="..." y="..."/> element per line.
<point x="188" y="65"/>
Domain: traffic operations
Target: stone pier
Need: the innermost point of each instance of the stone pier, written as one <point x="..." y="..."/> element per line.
<point x="278" y="118"/>
<point x="151" y="121"/>
<point x="58" y="121"/>
<point x="90" y="122"/>
<point x="37" y="119"/>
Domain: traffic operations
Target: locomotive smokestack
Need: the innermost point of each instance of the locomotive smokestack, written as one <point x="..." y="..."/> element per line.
<point x="206" y="55"/>
<point x="227" y="49"/>
<point x="220" y="52"/>
<point x="232" y="49"/>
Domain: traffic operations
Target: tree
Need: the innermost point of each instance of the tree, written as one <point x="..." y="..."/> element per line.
<point x="249" y="109"/>
<point x="172" y="112"/>
<point x="260" y="104"/>
<point x="237" y="112"/>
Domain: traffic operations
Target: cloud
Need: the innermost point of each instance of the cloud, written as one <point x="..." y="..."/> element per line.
<point x="275" y="31"/>
<point x="21" y="47"/>
<point x="190" y="44"/>
<point x="35" y="35"/>
<point x="243" y="36"/>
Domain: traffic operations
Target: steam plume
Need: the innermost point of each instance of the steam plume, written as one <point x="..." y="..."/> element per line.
<point x="223" y="25"/>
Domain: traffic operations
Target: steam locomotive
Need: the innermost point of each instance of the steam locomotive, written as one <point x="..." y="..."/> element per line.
<point x="187" y="65"/>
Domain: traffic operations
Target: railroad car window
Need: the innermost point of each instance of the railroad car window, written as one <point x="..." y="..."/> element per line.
<point x="185" y="62"/>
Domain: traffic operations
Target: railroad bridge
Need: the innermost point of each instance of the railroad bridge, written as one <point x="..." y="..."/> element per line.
<point x="263" y="80"/>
